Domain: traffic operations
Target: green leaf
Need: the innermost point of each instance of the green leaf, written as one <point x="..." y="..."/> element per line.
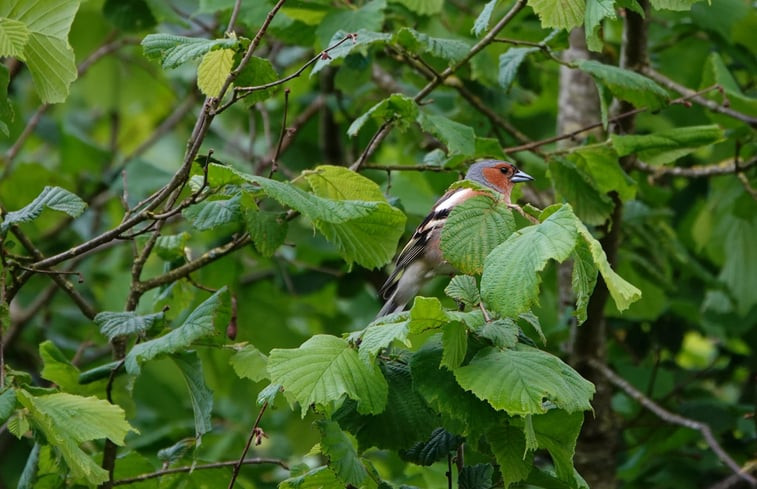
<point x="406" y="420"/>
<point x="115" y="324"/>
<point x="370" y="241"/>
<point x="668" y="145"/>
<point x="213" y="71"/>
<point x="172" y="247"/>
<point x="199" y="393"/>
<point x="626" y="85"/>
<point x="54" y="198"/>
<point x="596" y="12"/>
<point x="509" y="62"/>
<point x="461" y="411"/>
<point x="473" y="229"/>
<point x="458" y="138"/>
<point x="509" y="447"/>
<point x="325" y="368"/>
<point x="130" y="16"/>
<point x="7" y="404"/>
<point x="382" y="333"/>
<point x="578" y="188"/>
<point x="361" y="40"/>
<point x="369" y="17"/>
<point x="557" y="431"/>
<point x="422" y="7"/>
<point x="419" y="43"/>
<point x="175" y="50"/>
<point x="396" y="107"/>
<point x="317" y="478"/>
<point x="45" y="49"/>
<point x="13" y="37"/>
<point x="364" y="232"/>
<point x="680" y="5"/>
<point x="455" y="343"/>
<point x="599" y="164"/>
<point x="28" y="475"/>
<point x="437" y="447"/>
<point x="207" y="319"/>
<point x="250" y="363"/>
<point x="477" y="476"/>
<point x="740" y="263"/>
<point x="561" y="14"/>
<point x="67" y="420"/>
<point x="427" y="313"/>
<point x="623" y="293"/>
<point x="583" y="278"/>
<point x="518" y="381"/>
<point x="463" y="288"/>
<point x="503" y="333"/>
<point x="257" y="72"/>
<point x="58" y="369"/>
<point x="343" y="457"/>
<point x="340" y="183"/>
<point x="210" y="214"/>
<point x="268" y="230"/>
<point x="482" y="21"/>
<point x="6" y="109"/>
<point x="510" y="282"/>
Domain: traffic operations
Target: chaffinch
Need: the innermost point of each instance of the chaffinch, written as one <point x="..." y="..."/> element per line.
<point x="421" y="258"/>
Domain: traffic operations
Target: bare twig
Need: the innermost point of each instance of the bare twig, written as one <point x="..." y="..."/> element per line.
<point x="192" y="468"/>
<point x="84" y="306"/>
<point x="696" y="97"/>
<point x="699" y="171"/>
<point x="189" y="267"/>
<point x="619" y="117"/>
<point x="275" y="159"/>
<point x="298" y="122"/>
<point x="254" y="433"/>
<point x="673" y="418"/>
<point x="383" y="131"/>
<point x="241" y="92"/>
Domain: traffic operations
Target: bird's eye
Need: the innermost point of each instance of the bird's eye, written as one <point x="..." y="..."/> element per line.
<point x="505" y="170"/>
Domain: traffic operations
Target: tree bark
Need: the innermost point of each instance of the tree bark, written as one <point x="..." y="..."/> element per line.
<point x="598" y="444"/>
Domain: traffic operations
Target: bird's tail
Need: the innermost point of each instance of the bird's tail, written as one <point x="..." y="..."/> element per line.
<point x="392" y="304"/>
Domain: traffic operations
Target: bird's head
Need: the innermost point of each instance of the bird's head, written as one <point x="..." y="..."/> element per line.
<point x="497" y="175"/>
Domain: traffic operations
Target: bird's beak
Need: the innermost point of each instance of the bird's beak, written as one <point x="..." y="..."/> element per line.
<point x="521" y="176"/>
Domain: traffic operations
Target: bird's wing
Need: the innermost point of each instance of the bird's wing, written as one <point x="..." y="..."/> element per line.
<point x="417" y="246"/>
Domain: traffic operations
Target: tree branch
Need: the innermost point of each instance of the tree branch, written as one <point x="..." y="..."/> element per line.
<point x="189" y="267"/>
<point x="694" y="96"/>
<point x="383" y="131"/>
<point x="192" y="468"/>
<point x="725" y="167"/>
<point x="617" y="118"/>
<point x="673" y="418"/>
<point x="254" y="433"/>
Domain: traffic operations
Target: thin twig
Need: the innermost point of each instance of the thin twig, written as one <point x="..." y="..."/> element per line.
<point x="189" y="267"/>
<point x="699" y="171"/>
<point x="383" y="131"/>
<point x="275" y="159"/>
<point x="694" y="96"/>
<point x="432" y="168"/>
<point x="254" y="433"/>
<point x="192" y="468"/>
<point x="241" y="92"/>
<point x="84" y="306"/>
<point x="673" y="418"/>
<point x="624" y="115"/>
<point x="296" y="125"/>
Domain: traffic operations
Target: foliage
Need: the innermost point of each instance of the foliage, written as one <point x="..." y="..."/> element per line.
<point x="229" y="178"/>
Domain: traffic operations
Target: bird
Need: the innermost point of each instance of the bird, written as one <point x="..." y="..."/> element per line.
<point x="422" y="258"/>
